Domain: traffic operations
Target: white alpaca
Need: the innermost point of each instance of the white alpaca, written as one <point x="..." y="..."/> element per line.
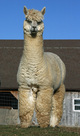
<point x="40" y="76"/>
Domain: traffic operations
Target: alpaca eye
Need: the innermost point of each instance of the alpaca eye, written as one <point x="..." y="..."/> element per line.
<point x="39" y="22"/>
<point x="29" y="21"/>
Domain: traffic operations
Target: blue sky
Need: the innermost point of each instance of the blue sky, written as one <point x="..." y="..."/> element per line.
<point x="62" y="18"/>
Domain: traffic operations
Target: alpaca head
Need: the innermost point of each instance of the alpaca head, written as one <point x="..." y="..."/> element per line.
<point x="33" y="24"/>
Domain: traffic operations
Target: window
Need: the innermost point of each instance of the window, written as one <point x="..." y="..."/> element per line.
<point x="7" y="100"/>
<point x="76" y="104"/>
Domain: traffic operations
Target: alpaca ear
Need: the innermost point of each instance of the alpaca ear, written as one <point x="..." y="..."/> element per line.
<point x="25" y="10"/>
<point x="43" y="10"/>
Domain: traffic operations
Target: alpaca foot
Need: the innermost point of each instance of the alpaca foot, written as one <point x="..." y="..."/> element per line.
<point x="44" y="125"/>
<point x="53" y="121"/>
<point x="25" y="125"/>
<point x="43" y="120"/>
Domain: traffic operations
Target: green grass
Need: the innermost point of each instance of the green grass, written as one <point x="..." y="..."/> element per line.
<point x="36" y="131"/>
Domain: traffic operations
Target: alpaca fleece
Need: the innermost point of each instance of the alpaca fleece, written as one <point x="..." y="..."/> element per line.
<point x="40" y="76"/>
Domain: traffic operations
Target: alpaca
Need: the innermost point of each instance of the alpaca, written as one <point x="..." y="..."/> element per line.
<point x="40" y="76"/>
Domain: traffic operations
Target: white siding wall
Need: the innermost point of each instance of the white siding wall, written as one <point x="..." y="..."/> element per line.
<point x="70" y="117"/>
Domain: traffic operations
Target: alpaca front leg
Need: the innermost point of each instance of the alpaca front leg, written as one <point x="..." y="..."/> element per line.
<point x="26" y="106"/>
<point x="57" y="106"/>
<point x="43" y="107"/>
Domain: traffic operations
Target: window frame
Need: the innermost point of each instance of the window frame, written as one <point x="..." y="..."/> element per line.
<point x="75" y="104"/>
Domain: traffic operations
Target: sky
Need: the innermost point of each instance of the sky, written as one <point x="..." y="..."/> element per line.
<point x="61" y="20"/>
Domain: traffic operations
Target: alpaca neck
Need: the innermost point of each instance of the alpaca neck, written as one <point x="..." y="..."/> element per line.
<point x="33" y="47"/>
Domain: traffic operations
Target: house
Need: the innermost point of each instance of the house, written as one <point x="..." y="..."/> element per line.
<point x="10" y="54"/>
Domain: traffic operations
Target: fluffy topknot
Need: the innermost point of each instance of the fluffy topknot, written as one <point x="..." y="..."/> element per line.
<point x="34" y="15"/>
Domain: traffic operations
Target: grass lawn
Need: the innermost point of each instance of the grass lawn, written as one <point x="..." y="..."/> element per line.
<point x="36" y="131"/>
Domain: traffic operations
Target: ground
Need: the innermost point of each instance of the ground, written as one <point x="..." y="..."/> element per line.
<point x="36" y="131"/>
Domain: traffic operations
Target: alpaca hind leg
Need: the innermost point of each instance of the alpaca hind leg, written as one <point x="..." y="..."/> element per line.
<point x="26" y="106"/>
<point x="43" y="107"/>
<point x="57" y="106"/>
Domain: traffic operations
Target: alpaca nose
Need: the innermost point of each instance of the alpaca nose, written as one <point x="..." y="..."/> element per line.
<point x="34" y="27"/>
